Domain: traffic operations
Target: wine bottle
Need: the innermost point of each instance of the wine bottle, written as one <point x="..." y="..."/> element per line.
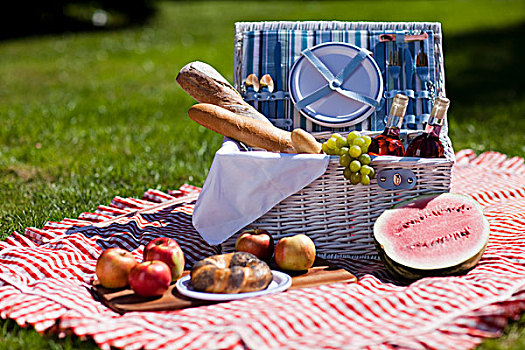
<point x="388" y="143"/>
<point x="427" y="145"/>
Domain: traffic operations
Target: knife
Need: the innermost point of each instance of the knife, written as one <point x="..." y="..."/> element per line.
<point x="408" y="38"/>
<point x="278" y="78"/>
<point x="409" y="73"/>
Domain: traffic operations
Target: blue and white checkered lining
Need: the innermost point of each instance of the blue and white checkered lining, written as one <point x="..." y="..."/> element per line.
<point x="261" y="47"/>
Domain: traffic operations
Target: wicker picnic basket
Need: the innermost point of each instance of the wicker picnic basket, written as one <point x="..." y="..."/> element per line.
<point x="337" y="215"/>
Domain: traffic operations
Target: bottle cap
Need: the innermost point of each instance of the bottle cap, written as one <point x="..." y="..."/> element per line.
<point x="439" y="110"/>
<point x="399" y="105"/>
<point x="400" y="98"/>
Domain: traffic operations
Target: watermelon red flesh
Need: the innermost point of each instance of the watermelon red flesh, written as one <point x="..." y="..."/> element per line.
<point x="433" y="231"/>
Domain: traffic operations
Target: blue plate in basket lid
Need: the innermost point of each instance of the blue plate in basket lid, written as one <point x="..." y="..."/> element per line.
<point x="336" y="84"/>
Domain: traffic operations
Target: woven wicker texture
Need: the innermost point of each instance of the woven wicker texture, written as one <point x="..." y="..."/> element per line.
<point x="339" y="216"/>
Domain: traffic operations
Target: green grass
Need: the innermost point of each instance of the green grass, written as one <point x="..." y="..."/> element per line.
<point x="13" y="337"/>
<point x="88" y="116"/>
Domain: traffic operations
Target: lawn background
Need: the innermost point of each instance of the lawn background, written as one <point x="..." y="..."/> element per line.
<point x="88" y="116"/>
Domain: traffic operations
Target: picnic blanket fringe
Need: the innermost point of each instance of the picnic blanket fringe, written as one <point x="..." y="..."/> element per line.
<point x="45" y="278"/>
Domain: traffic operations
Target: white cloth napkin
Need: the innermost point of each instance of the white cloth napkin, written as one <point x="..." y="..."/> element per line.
<point x="243" y="186"/>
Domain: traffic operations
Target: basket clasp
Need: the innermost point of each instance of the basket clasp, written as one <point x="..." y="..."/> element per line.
<point x="396" y="179"/>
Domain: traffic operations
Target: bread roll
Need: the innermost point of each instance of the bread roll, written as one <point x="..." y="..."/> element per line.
<point x="304" y="142"/>
<point x="238" y="272"/>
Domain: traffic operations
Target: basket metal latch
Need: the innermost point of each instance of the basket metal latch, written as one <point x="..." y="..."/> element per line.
<point x="396" y="179"/>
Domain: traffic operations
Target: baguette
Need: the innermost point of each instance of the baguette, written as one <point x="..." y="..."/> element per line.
<point x="252" y="132"/>
<point x="206" y="85"/>
<point x="304" y="142"/>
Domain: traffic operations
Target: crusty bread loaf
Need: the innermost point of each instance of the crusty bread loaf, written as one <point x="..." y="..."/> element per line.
<point x="206" y="85"/>
<point x="209" y="87"/>
<point x="254" y="133"/>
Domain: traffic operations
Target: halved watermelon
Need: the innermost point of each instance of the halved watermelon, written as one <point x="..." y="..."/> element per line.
<point x="432" y="235"/>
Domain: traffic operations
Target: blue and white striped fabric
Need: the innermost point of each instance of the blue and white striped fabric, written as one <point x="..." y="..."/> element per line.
<point x="273" y="47"/>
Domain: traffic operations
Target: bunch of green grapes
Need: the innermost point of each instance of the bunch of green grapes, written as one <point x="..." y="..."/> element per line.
<point x="353" y="156"/>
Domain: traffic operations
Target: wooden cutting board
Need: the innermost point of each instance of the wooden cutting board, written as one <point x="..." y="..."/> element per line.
<point x="125" y="300"/>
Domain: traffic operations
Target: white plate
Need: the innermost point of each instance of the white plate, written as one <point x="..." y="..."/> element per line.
<point x="336" y="110"/>
<point x="280" y="283"/>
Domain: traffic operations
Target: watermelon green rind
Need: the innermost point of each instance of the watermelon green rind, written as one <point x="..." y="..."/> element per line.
<point x="410" y="273"/>
<point x="395" y="252"/>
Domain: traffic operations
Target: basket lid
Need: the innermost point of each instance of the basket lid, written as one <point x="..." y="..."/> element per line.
<point x="336" y="84"/>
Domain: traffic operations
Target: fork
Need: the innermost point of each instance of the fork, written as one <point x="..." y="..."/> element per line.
<point x="394" y="70"/>
<point x="394" y="67"/>
<point x="424" y="74"/>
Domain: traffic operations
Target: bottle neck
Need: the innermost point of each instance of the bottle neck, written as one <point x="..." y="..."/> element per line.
<point x="392" y="131"/>
<point x="433" y="130"/>
<point x="394" y="121"/>
<point x="395" y="117"/>
<point x="434" y="126"/>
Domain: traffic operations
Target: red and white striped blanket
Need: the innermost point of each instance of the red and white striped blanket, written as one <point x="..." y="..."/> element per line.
<point x="45" y="278"/>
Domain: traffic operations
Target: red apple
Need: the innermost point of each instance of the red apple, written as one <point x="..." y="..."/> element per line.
<point x="113" y="267"/>
<point x="295" y="253"/>
<point x="150" y="278"/>
<point x="167" y="250"/>
<point x="257" y="241"/>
